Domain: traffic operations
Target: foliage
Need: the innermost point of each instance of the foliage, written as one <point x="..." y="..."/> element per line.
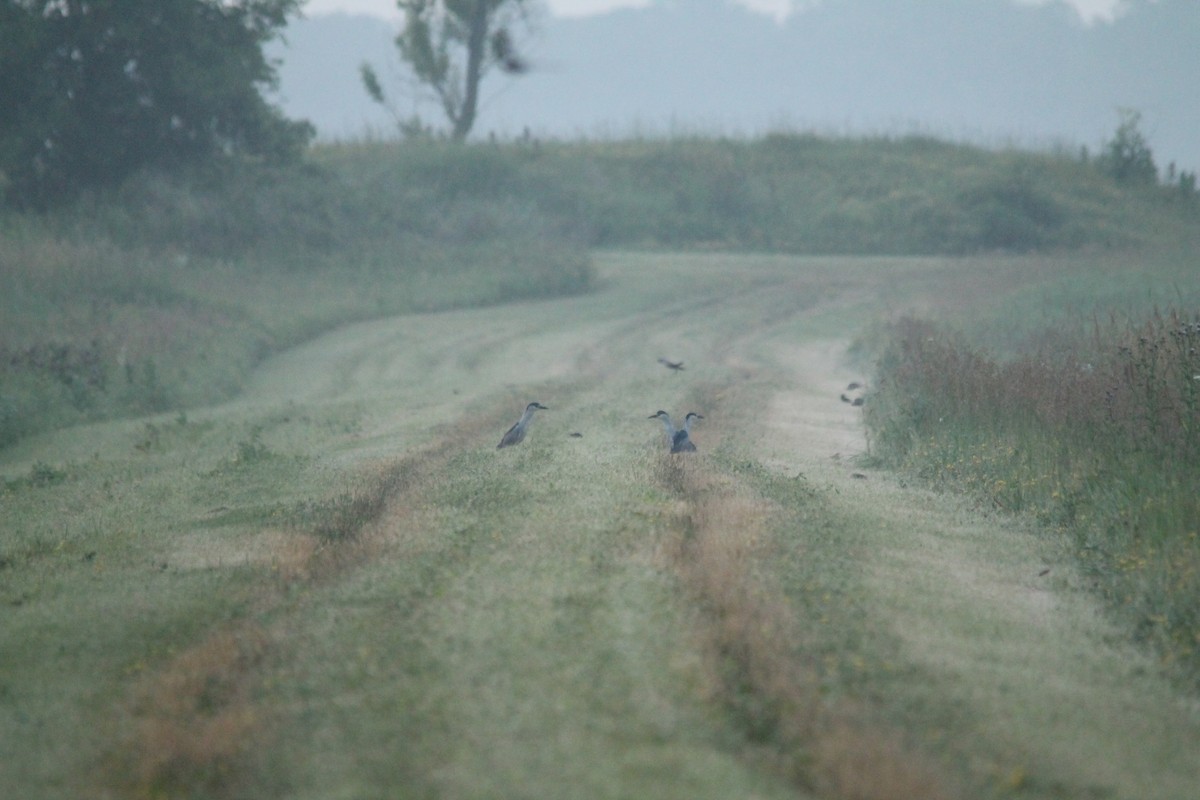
<point x="800" y="193"/>
<point x="1096" y="436"/>
<point x="450" y="45"/>
<point x="1127" y="157"/>
<point x="95" y="91"/>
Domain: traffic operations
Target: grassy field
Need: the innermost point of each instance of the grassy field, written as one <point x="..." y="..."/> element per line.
<point x="335" y="585"/>
<point x="257" y="539"/>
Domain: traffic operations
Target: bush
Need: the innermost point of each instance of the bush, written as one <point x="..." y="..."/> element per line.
<point x="1127" y="156"/>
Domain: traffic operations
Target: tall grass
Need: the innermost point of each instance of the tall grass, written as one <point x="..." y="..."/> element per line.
<point x="1096" y="435"/>
<point x="166" y="295"/>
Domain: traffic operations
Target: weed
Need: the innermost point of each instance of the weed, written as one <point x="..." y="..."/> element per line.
<point x="1096" y="437"/>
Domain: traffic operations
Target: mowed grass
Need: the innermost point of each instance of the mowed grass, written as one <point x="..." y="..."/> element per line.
<point x="362" y="596"/>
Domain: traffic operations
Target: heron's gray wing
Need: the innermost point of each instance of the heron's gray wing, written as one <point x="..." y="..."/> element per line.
<point x="512" y="436"/>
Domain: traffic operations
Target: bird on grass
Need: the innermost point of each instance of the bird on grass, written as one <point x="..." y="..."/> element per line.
<point x="682" y="441"/>
<point x="679" y="440"/>
<point x="677" y="366"/>
<point x="516" y="433"/>
<point x="666" y="421"/>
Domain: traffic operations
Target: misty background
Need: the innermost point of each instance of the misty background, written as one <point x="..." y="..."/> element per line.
<point x="991" y="72"/>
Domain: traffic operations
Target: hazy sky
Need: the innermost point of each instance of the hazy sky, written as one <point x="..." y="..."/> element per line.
<point x="1088" y="9"/>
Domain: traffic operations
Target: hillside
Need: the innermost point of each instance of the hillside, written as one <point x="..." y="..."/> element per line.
<point x="167" y="295"/>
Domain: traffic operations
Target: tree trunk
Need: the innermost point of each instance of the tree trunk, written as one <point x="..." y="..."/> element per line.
<point x="476" y="42"/>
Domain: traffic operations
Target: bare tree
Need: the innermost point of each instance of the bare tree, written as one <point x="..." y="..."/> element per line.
<point x="450" y="45"/>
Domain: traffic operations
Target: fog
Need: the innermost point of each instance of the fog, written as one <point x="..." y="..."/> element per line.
<point x="993" y="72"/>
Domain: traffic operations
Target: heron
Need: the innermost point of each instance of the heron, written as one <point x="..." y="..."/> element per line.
<point x="516" y="433"/>
<point x="681" y="442"/>
<point x="677" y="366"/>
<point x="666" y="421"/>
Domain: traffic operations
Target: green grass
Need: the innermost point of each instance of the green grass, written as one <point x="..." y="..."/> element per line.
<point x="334" y="584"/>
<point x="337" y="585"/>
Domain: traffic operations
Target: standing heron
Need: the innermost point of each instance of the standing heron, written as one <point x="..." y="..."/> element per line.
<point x="681" y="442"/>
<point x="666" y="421"/>
<point x="516" y="433"/>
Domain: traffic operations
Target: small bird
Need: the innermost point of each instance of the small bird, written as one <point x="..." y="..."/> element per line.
<point x="516" y="433"/>
<point x="673" y="365"/>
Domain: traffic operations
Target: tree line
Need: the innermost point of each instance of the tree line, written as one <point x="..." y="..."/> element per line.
<point x="91" y="91"/>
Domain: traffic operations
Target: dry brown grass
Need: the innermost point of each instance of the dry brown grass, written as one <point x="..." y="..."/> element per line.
<point x="754" y="646"/>
<point x="194" y="720"/>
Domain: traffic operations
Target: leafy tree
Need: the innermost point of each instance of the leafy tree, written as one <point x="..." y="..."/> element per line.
<point x="449" y="45"/>
<point x="1127" y="156"/>
<point x="94" y="90"/>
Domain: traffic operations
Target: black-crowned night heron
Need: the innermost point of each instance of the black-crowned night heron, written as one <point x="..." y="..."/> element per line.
<point x="516" y="433"/>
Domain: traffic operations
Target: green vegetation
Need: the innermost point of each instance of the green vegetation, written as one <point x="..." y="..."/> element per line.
<point x="336" y="585"/>
<point x="94" y="92"/>
<point x="1088" y="423"/>
<point x="164" y="294"/>
<point x="310" y="573"/>
<point x="167" y="295"/>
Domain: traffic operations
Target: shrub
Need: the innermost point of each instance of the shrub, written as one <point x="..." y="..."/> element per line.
<point x="1127" y="156"/>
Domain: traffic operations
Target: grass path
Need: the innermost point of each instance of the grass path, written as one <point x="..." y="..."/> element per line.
<point x="578" y="616"/>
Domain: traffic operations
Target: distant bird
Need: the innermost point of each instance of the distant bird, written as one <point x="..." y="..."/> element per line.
<point x="857" y="400"/>
<point x="677" y="366"/>
<point x="516" y="433"/>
